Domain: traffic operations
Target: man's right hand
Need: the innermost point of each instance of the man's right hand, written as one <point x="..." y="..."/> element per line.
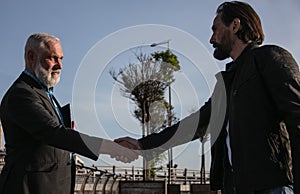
<point x="129" y="143"/>
<point x="119" y="152"/>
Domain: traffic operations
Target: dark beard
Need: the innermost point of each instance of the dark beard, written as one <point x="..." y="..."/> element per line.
<point x="223" y="49"/>
<point x="220" y="54"/>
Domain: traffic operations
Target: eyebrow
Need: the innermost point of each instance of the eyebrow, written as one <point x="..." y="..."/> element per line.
<point x="56" y="56"/>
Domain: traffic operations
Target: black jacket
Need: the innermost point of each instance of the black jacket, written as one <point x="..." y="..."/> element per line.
<point x="262" y="107"/>
<point x="37" y="145"/>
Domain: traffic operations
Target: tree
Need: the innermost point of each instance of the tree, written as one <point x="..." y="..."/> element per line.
<point x="144" y="83"/>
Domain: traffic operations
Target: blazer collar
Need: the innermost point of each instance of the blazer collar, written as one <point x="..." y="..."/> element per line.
<point x="35" y="85"/>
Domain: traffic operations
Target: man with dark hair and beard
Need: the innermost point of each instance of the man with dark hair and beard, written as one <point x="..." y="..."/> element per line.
<point x="257" y="150"/>
<point x="38" y="132"/>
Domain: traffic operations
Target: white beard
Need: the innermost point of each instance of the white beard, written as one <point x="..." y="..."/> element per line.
<point x="46" y="77"/>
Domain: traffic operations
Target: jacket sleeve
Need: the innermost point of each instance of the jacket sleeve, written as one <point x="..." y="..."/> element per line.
<point x="281" y="76"/>
<point x="190" y="128"/>
<point x="209" y="119"/>
<point x="30" y="113"/>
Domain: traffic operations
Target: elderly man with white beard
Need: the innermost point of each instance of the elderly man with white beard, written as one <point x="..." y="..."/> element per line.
<point x="38" y="132"/>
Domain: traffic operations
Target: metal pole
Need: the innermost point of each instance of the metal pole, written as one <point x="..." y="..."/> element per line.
<point x="170" y="150"/>
<point x="170" y="123"/>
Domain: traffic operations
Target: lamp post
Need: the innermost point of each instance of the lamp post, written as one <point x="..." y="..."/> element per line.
<point x="170" y="150"/>
<point x="161" y="43"/>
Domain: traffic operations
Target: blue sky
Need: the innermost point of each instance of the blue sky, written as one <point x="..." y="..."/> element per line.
<point x="82" y="25"/>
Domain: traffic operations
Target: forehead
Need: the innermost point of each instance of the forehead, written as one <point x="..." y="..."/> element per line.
<point x="54" y="47"/>
<point x="217" y="21"/>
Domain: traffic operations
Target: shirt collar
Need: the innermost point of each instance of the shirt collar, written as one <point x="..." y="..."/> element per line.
<point x="48" y="90"/>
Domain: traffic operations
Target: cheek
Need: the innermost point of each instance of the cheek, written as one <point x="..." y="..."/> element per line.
<point x="216" y="37"/>
<point x="47" y="65"/>
<point x="220" y="36"/>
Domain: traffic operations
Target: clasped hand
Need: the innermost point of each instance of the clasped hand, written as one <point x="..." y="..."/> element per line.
<point x="124" y="149"/>
<point x="130" y="146"/>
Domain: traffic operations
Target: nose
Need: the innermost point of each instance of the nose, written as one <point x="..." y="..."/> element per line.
<point x="212" y="39"/>
<point x="58" y="64"/>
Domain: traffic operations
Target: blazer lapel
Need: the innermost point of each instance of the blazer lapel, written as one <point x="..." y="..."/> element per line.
<point x="46" y="99"/>
<point x="41" y="92"/>
<point x="65" y="112"/>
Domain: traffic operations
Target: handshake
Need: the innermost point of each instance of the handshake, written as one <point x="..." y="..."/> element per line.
<point x="125" y="149"/>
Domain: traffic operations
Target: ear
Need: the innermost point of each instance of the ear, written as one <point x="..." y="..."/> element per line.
<point x="31" y="58"/>
<point x="236" y="25"/>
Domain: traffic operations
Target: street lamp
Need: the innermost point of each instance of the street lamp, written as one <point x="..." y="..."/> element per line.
<point x="170" y="150"/>
<point x="161" y="43"/>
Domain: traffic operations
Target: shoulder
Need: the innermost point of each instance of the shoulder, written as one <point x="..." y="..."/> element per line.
<point x="21" y="89"/>
<point x="20" y="86"/>
<point x="276" y="60"/>
<point x="272" y="53"/>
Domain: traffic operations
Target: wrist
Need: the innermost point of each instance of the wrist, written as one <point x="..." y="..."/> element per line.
<point x="105" y="146"/>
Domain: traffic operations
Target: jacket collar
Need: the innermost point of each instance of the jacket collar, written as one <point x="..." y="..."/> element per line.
<point x="231" y="66"/>
<point x="48" y="90"/>
<point x="35" y="85"/>
<point x="227" y="76"/>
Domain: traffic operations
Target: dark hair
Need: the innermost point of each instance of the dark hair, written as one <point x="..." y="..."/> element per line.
<point x="250" y="21"/>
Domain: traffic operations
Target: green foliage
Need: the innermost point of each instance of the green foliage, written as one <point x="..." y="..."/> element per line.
<point x="152" y="173"/>
<point x="167" y="57"/>
<point x="145" y="83"/>
<point x="168" y="65"/>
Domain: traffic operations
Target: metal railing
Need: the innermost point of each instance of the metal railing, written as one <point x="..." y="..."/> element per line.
<point x="105" y="179"/>
<point x="93" y="180"/>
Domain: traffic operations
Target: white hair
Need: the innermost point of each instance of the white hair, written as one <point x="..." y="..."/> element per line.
<point x="39" y="41"/>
